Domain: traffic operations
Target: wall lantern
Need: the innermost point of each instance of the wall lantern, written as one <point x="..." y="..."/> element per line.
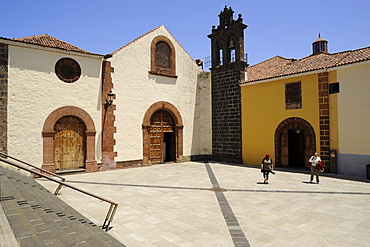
<point x="109" y="99"/>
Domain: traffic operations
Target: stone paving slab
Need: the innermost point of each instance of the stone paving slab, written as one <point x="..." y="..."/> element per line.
<point x="7" y="237"/>
<point x="181" y="205"/>
<point x="36" y="217"/>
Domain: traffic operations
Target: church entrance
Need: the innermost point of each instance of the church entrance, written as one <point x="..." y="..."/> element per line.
<point x="162" y="138"/>
<point x="296" y="148"/>
<point x="69" y="144"/>
<point x="295" y="142"/>
<point x="162" y="134"/>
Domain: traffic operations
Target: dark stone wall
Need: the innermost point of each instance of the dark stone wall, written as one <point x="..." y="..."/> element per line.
<point x="226" y="112"/>
<point x="3" y="97"/>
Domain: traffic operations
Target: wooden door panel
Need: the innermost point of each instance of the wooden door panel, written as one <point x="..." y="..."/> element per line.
<point x="69" y="144"/>
<point x="156" y="147"/>
<point x="161" y="122"/>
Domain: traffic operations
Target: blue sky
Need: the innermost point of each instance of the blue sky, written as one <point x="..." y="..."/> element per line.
<point x="275" y="27"/>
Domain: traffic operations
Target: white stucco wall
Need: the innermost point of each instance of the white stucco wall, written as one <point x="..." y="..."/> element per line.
<point x="34" y="91"/>
<point x="136" y="90"/>
<point x="354" y="110"/>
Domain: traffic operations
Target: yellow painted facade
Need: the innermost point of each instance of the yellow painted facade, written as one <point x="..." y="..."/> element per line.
<point x="264" y="108"/>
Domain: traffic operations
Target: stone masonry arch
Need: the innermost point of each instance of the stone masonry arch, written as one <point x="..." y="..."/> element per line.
<point x="281" y="139"/>
<point x="48" y="137"/>
<point x="178" y="129"/>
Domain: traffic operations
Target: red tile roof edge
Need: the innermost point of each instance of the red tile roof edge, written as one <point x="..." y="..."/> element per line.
<point x="343" y="58"/>
<point x="45" y="40"/>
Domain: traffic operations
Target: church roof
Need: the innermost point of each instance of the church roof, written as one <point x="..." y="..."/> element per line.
<point x="135" y="40"/>
<point x="46" y="40"/>
<point x="278" y="66"/>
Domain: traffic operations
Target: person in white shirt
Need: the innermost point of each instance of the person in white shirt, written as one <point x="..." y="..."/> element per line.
<point x="314" y="170"/>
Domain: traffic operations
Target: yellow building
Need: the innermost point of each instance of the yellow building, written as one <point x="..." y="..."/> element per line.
<point x="292" y="108"/>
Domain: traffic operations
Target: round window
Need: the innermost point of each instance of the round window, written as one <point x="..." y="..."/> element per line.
<point x="67" y="70"/>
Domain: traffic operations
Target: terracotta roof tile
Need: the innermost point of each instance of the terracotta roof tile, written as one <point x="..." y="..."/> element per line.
<point x="279" y="66"/>
<point x="49" y="41"/>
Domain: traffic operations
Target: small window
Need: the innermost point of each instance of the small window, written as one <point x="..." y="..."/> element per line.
<point x="67" y="70"/>
<point x="293" y="95"/>
<point x="334" y="87"/>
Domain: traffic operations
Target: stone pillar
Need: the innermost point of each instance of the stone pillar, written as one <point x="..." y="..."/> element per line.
<point x="48" y="151"/>
<point x="146" y="144"/>
<point x="90" y="163"/>
<point x="179" y="143"/>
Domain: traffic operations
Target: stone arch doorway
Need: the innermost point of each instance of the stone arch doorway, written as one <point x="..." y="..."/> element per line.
<point x="295" y="142"/>
<point x="53" y="125"/>
<point x="162" y="134"/>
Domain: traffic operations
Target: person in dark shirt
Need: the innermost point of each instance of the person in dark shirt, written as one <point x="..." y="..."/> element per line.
<point x="266" y="167"/>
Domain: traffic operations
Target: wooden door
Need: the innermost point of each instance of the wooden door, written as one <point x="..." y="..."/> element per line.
<point x="69" y="144"/>
<point x="160" y="122"/>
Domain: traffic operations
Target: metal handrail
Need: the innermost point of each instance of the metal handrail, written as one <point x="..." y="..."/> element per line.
<point x="113" y="205"/>
<point x="38" y="168"/>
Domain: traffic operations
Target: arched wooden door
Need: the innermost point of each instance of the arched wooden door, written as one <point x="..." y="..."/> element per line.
<point x="162" y="137"/>
<point x="69" y="143"/>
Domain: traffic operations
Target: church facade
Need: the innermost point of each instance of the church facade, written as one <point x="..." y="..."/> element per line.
<point x="66" y="109"/>
<point x="51" y="103"/>
<point x="162" y="107"/>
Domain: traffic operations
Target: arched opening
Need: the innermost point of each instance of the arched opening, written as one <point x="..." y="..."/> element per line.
<point x="69" y="144"/>
<point x="295" y="142"/>
<point x="232" y="51"/>
<point x="163" y="57"/>
<point x="56" y="123"/>
<point x="220" y="53"/>
<point x="162" y="134"/>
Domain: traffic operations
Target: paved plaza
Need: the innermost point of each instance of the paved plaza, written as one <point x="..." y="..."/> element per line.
<point x="214" y="204"/>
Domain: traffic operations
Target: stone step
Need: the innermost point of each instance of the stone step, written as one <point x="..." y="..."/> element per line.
<point x="38" y="218"/>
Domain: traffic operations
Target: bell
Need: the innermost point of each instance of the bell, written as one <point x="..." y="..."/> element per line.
<point x="232" y="44"/>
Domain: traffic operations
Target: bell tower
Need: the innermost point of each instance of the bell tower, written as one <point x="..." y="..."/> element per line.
<point x="228" y="70"/>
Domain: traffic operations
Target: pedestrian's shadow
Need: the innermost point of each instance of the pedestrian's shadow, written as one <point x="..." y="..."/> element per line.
<point x="305" y="182"/>
<point x="262" y="183"/>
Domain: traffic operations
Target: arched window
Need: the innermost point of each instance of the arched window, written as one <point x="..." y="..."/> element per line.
<point x="231" y="49"/>
<point x="163" y="60"/>
<point x="220" y="53"/>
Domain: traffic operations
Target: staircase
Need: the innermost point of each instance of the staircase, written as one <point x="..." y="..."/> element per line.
<point x="38" y="218"/>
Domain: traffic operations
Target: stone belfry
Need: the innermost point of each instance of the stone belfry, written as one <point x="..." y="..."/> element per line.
<point x="228" y="70"/>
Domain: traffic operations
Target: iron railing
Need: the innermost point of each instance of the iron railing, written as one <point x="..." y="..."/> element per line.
<point x="113" y="205"/>
<point x="38" y="168"/>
